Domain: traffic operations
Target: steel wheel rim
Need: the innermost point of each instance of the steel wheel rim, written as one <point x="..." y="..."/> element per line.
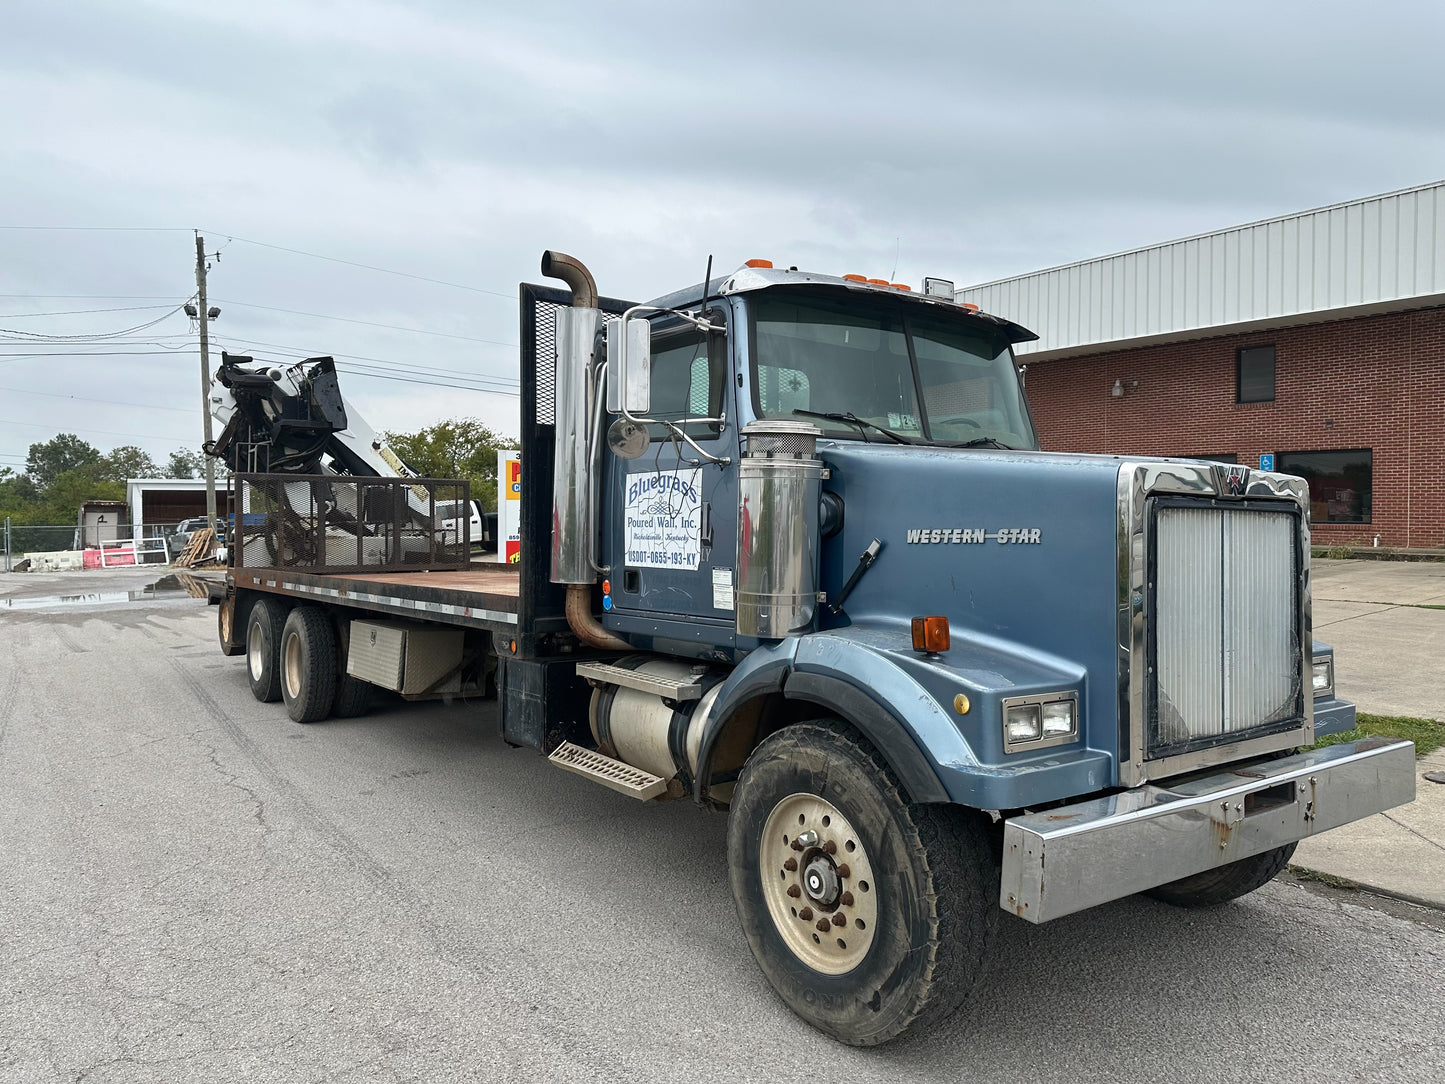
<point x="255" y="656"/>
<point x="292" y="666"/>
<point x="808" y="920"/>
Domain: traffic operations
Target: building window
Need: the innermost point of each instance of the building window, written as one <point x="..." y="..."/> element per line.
<point x="1254" y="374"/>
<point x="1222" y="457"/>
<point x="1340" y="483"/>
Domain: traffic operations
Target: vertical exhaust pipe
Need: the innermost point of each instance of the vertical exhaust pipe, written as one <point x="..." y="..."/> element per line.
<point x="572" y="525"/>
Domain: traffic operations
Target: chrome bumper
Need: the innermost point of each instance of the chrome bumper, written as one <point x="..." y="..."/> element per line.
<point x="1066" y="859"/>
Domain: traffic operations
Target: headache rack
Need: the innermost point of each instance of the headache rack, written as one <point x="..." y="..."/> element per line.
<point x="342" y="523"/>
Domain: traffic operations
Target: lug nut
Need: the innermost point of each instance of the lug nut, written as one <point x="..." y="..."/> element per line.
<point x="794" y="891"/>
<point x="830" y="847"/>
<point x="846" y="899"/>
<point x="822" y="925"/>
<point x="844" y="871"/>
<point x="791" y="865"/>
<point x="796" y="845"/>
<point x="806" y="914"/>
<point x="839" y="920"/>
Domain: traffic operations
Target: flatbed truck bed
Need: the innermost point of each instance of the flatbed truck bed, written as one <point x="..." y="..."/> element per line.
<point x="485" y="596"/>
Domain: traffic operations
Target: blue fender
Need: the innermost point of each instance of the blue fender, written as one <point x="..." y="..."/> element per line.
<point x="903" y="703"/>
<point x="853" y="682"/>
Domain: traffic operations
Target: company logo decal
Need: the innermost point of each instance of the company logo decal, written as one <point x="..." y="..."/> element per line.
<point x="1236" y="479"/>
<point x="1004" y="536"/>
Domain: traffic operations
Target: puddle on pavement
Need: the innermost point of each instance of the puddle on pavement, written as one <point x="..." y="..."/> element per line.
<point x="164" y="588"/>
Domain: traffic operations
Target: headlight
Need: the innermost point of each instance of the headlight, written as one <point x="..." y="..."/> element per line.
<point x="1038" y="721"/>
<point x="1322" y="677"/>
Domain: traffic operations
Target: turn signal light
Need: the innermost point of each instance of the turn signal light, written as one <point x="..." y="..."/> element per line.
<point x="930" y="634"/>
<point x="759" y="263"/>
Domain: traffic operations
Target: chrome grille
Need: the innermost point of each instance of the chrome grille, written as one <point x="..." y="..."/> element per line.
<point x="1225" y="625"/>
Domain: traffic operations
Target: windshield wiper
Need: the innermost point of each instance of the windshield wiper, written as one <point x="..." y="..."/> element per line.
<point x="982" y="442"/>
<point x="834" y="416"/>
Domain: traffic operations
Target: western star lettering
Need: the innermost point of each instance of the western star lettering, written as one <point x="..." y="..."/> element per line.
<point x="1004" y="536"/>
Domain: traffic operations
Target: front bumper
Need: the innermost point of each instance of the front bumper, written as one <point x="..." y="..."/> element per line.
<point x="1077" y="856"/>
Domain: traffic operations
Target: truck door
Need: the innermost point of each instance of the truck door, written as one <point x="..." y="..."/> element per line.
<point x="671" y="515"/>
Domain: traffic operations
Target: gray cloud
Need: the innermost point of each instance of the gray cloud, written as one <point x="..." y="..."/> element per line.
<point x="456" y="140"/>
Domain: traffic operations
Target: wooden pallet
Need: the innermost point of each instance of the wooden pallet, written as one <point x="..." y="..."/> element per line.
<point x="197" y="549"/>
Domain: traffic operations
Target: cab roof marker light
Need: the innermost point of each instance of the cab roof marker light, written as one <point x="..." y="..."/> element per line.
<point x="856" y="278"/>
<point x="969" y="305"/>
<point x="759" y="263"/>
<point x="878" y="282"/>
<point x="901" y="286"/>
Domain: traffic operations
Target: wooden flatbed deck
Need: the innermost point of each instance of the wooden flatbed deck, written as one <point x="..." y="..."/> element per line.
<point x="484" y="596"/>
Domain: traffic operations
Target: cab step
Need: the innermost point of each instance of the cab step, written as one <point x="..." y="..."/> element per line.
<point x="668" y="689"/>
<point x="623" y="778"/>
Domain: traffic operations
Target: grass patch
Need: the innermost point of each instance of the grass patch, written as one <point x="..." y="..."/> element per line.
<point x="1301" y="873"/>
<point x="1427" y="734"/>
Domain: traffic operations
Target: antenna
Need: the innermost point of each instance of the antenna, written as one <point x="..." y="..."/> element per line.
<point x="706" y="284"/>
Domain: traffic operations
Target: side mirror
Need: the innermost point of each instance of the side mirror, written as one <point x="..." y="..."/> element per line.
<point x="629" y="368"/>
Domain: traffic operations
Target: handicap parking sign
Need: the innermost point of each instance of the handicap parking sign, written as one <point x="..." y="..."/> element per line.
<point x="1266" y="461"/>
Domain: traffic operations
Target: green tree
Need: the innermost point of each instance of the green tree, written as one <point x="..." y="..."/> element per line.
<point x="456" y="448"/>
<point x="51" y="458"/>
<point x="184" y="463"/>
<point x="127" y="461"/>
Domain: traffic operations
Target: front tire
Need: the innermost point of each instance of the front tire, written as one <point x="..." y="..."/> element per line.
<point x="308" y="664"/>
<point x="915" y="887"/>
<point x="1216" y="886"/>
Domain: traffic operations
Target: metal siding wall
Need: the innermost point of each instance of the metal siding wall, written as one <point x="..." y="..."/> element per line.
<point x="1384" y="248"/>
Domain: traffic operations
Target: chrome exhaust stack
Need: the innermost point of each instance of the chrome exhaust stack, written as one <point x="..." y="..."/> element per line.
<point x="572" y="526"/>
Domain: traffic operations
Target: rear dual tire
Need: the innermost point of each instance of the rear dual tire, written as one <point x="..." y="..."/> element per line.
<point x="308" y="664"/>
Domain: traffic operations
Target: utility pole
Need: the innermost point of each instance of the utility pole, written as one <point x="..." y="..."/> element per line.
<point x="203" y="316"/>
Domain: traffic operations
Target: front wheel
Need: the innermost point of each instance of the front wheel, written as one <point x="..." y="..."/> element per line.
<point x="1216" y="886"/>
<point x="867" y="914"/>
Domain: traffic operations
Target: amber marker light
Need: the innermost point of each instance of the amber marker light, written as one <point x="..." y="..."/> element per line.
<point x="760" y="263"/>
<point x="878" y="282"/>
<point x="607" y="587"/>
<point x="930" y="634"/>
<point x="901" y="286"/>
<point x="856" y="278"/>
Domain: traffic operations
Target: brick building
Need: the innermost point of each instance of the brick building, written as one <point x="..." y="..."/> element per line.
<point x="1314" y="340"/>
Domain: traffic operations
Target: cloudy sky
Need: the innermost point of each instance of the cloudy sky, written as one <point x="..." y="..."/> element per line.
<point x="453" y="141"/>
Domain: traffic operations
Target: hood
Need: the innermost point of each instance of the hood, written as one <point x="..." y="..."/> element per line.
<point x="1018" y="550"/>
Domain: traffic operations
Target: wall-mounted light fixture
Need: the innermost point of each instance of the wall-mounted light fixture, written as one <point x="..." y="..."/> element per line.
<point x="1118" y="392"/>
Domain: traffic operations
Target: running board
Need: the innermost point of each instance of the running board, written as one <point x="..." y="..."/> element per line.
<point x="666" y="688"/>
<point x="623" y="778"/>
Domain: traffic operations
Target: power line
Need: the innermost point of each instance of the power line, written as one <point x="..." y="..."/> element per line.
<point x="87" y="429"/>
<point x="40" y="337"/>
<point x="369" y="323"/>
<point x="364" y="266"/>
<point x="95" y="297"/>
<point x="88" y="399"/>
<point x="79" y="312"/>
<point x="103" y="229"/>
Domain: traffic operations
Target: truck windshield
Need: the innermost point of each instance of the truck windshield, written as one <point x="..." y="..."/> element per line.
<point x="923" y="375"/>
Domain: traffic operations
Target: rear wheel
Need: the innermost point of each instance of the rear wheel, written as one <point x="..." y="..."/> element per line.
<point x="868" y="915"/>
<point x="226" y="627"/>
<point x="263" y="649"/>
<point x="308" y="664"/>
<point x="1216" y="886"/>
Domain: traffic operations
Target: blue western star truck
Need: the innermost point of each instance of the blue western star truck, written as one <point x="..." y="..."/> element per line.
<point x="789" y="549"/>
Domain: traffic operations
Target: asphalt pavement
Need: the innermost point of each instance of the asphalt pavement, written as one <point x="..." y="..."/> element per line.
<point x="194" y="888"/>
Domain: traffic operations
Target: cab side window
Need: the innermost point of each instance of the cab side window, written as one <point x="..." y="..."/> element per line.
<point x="689" y="372"/>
